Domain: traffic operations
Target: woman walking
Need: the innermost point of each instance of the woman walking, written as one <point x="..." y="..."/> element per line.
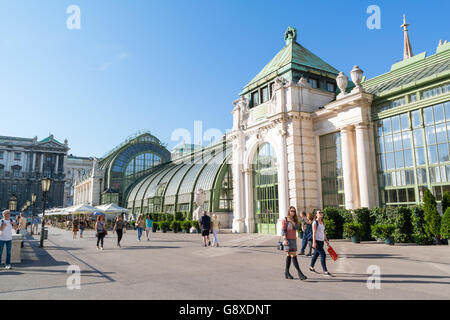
<point x="75" y="226"/>
<point x="118" y="227"/>
<point x="307" y="235"/>
<point x="140" y="227"/>
<point x="289" y="232"/>
<point x="215" y="229"/>
<point x="81" y="228"/>
<point x="100" y="229"/>
<point x="148" y="226"/>
<point x="318" y="238"/>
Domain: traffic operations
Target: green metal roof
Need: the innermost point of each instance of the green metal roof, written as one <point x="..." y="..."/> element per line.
<point x="50" y="138"/>
<point x="292" y="56"/>
<point x="411" y="72"/>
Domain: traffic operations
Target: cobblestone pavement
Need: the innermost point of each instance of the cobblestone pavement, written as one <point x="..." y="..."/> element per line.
<point x="245" y="266"/>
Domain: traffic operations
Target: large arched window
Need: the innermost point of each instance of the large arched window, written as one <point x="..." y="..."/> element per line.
<point x="265" y="184"/>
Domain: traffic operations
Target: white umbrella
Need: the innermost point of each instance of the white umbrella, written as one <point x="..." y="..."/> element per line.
<point x="111" y="208"/>
<point x="80" y="208"/>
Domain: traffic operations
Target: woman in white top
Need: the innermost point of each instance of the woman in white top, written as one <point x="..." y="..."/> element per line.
<point x="215" y="229"/>
<point x="319" y="237"/>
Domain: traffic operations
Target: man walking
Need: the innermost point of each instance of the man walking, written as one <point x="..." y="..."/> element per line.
<point x="205" y="225"/>
<point x="6" y="226"/>
<point x="22" y="227"/>
<point x="35" y="226"/>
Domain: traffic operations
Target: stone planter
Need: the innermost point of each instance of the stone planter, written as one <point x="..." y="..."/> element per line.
<point x="436" y="241"/>
<point x="356" y="239"/>
<point x="164" y="230"/>
<point x="389" y="241"/>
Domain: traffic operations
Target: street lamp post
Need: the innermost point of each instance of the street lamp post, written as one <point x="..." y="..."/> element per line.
<point x="46" y="182"/>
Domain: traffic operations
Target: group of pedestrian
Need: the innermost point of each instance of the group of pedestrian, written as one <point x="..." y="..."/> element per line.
<point x="314" y="233"/>
<point x="208" y="225"/>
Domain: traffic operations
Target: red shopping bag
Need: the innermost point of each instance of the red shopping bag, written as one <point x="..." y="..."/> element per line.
<point x="332" y="253"/>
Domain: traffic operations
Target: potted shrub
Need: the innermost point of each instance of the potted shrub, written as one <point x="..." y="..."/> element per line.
<point x="354" y="231"/>
<point x="186" y="226"/>
<point x="445" y="225"/>
<point x="431" y="216"/>
<point x="175" y="226"/>
<point x="387" y="231"/>
<point x="377" y="232"/>
<point x="155" y="226"/>
<point x="164" y="226"/>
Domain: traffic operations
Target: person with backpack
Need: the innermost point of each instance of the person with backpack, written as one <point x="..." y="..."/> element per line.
<point x="307" y="235"/>
<point x="318" y="238"/>
<point x="289" y="229"/>
<point x="205" y="225"/>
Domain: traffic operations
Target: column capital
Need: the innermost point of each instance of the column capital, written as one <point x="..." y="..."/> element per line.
<point x="346" y="128"/>
<point x="362" y="125"/>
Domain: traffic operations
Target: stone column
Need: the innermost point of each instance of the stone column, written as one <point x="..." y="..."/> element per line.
<point x="41" y="170"/>
<point x="364" y="171"/>
<point x="33" y="168"/>
<point x="57" y="164"/>
<point x="283" y="183"/>
<point x="248" y="187"/>
<point x="347" y="159"/>
<point x="238" y="189"/>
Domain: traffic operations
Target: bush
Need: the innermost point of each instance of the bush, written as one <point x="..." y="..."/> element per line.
<point x="377" y="231"/>
<point x="352" y="229"/>
<point x="363" y="217"/>
<point x="333" y="215"/>
<point x="164" y="226"/>
<point x="175" y="226"/>
<point x="195" y="225"/>
<point x="387" y="230"/>
<point x="346" y="216"/>
<point x="186" y="225"/>
<point x="445" y="225"/>
<point x="383" y="215"/>
<point x="431" y="215"/>
<point x="132" y="223"/>
<point x="179" y="216"/>
<point x="403" y="225"/>
<point x="418" y="222"/>
<point x="330" y="228"/>
<point x="445" y="201"/>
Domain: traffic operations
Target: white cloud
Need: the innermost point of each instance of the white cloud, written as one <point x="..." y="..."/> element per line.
<point x="119" y="57"/>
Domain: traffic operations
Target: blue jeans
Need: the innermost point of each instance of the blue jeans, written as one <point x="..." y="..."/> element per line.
<point x="319" y="251"/>
<point x="305" y="241"/>
<point x="139" y="230"/>
<point x="8" y="251"/>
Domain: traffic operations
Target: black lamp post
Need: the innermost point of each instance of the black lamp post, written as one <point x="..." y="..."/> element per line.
<point x="46" y="182"/>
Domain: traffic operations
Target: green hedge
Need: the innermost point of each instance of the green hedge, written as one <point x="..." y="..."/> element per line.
<point x="403" y="225"/>
<point x="431" y="215"/>
<point x="364" y="217"/>
<point x="352" y="229"/>
<point x="445" y="225"/>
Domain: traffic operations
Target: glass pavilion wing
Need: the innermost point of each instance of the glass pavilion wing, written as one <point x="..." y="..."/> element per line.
<point x="172" y="188"/>
<point x="208" y="174"/>
<point x="187" y="185"/>
<point x="140" y="188"/>
<point x="152" y="183"/>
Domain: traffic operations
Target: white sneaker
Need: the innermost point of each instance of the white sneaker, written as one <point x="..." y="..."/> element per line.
<point x="98" y="248"/>
<point x="8" y="266"/>
<point x="101" y="248"/>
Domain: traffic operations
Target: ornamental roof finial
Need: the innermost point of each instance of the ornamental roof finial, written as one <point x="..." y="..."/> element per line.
<point x="407" y="49"/>
<point x="290" y="35"/>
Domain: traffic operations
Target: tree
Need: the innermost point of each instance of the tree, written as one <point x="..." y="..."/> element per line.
<point x="445" y="201"/>
<point x="431" y="215"/>
<point x="445" y="226"/>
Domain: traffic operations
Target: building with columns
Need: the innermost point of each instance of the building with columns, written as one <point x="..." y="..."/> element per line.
<point x="76" y="167"/>
<point x="23" y="163"/>
<point x="303" y="135"/>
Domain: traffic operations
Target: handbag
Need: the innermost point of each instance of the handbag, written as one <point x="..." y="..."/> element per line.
<point x="332" y="253"/>
<point x="280" y="245"/>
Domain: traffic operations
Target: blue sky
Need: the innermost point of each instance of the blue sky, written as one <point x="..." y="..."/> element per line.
<point x="161" y="65"/>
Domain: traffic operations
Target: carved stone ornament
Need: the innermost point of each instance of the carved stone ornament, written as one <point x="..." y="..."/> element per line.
<point x="342" y="82"/>
<point x="290" y="35"/>
<point x="303" y="82"/>
<point x="280" y="82"/>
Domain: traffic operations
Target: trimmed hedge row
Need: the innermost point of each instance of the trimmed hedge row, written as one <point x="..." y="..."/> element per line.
<point x="422" y="225"/>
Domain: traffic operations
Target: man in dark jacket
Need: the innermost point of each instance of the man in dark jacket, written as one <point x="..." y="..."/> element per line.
<point x="205" y="225"/>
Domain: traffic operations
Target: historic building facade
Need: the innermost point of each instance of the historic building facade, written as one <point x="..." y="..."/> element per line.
<point x="303" y="135"/>
<point x="23" y="163"/>
<point x="76" y="167"/>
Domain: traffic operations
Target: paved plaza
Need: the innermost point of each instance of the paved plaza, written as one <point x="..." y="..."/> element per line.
<point x="246" y="266"/>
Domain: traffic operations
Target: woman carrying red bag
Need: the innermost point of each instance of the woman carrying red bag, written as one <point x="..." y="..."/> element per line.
<point x="319" y="237"/>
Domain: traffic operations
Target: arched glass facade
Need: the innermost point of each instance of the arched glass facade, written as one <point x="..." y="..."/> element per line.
<point x="129" y="162"/>
<point x="265" y="183"/>
<point x="171" y="187"/>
